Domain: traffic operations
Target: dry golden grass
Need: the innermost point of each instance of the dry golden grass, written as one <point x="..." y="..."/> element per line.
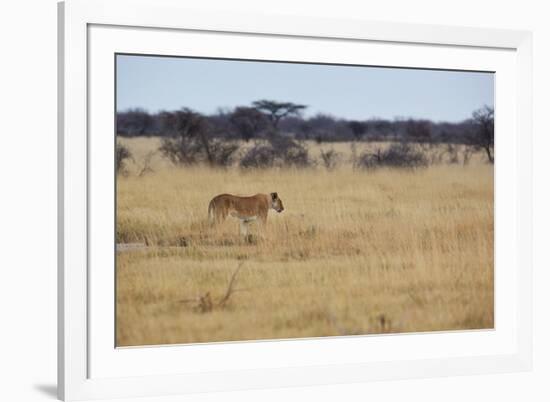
<point x="353" y="253"/>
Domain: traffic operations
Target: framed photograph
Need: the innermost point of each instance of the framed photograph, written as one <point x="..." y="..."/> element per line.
<point x="252" y="201"/>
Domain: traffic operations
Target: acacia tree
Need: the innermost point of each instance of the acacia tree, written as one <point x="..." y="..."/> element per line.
<point x="483" y="131"/>
<point x="275" y="111"/>
<point x="248" y="121"/>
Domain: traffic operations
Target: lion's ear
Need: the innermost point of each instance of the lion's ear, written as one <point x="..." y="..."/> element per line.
<point x="273" y="196"/>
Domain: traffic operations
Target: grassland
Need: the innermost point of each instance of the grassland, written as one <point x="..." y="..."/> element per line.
<point x="353" y="253"/>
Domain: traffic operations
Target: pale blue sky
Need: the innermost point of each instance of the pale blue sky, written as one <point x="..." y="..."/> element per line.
<point x="169" y="83"/>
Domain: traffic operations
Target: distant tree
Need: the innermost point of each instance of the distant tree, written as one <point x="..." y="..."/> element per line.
<point x="248" y="122"/>
<point x="181" y="129"/>
<point x="482" y="134"/>
<point x="183" y="123"/>
<point x="275" y="111"/>
<point x="293" y="125"/>
<point x="322" y="127"/>
<point x="134" y="122"/>
<point x="304" y="128"/>
<point x="418" y="130"/>
<point x="380" y="128"/>
<point x="358" y="129"/>
<point x="220" y="124"/>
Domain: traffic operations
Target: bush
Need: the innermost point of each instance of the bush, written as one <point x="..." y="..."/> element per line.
<point x="221" y="152"/>
<point x="290" y="152"/>
<point x="280" y="151"/>
<point x="122" y="155"/>
<point x="259" y="156"/>
<point x="181" y="150"/>
<point x="192" y="140"/>
<point x="330" y="158"/>
<point x="189" y="151"/>
<point x="401" y="155"/>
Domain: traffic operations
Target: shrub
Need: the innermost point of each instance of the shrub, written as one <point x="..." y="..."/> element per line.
<point x="221" y="152"/>
<point x="192" y="140"/>
<point x="280" y="151"/>
<point x="259" y="156"/>
<point x="181" y="150"/>
<point x="290" y="152"/>
<point x="189" y="151"/>
<point x="123" y="154"/>
<point x="330" y="158"/>
<point x="400" y="155"/>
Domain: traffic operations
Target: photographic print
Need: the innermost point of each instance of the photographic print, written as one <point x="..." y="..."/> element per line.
<point x="262" y="200"/>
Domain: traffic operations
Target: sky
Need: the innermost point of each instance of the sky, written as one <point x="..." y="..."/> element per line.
<point x="351" y="92"/>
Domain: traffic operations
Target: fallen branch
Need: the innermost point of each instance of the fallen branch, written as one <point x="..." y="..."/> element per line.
<point x="205" y="304"/>
<point x="229" y="291"/>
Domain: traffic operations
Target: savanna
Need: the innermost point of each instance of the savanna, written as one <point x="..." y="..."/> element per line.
<point x="356" y="250"/>
<point x="385" y="174"/>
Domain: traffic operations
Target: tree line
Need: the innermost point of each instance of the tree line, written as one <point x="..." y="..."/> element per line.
<point x="190" y="137"/>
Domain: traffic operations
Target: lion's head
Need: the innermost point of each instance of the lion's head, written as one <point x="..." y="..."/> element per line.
<point x="277" y="203"/>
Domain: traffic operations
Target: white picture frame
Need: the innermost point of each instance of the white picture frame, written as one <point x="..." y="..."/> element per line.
<point x="90" y="367"/>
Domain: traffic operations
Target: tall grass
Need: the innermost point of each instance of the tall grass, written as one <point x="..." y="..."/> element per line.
<point x="353" y="253"/>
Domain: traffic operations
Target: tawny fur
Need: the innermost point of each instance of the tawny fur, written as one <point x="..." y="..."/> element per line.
<point x="244" y="208"/>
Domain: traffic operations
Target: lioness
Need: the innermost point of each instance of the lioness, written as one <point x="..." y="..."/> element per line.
<point x="246" y="209"/>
